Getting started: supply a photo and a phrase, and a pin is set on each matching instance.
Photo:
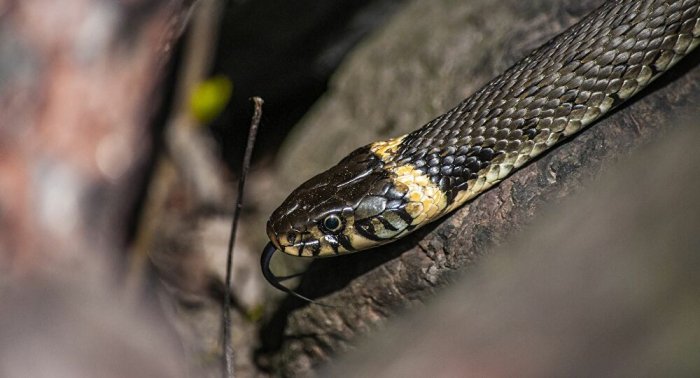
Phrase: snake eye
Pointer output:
(332, 223)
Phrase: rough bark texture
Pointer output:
(605, 285)
(430, 57)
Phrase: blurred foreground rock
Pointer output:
(79, 86)
(63, 331)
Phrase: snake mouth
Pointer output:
(302, 244)
(274, 238)
(302, 248)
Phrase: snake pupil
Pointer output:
(332, 223)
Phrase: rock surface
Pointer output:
(431, 56)
(603, 285)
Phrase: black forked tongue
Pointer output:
(265, 259)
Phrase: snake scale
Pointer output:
(385, 190)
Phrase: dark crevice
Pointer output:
(284, 51)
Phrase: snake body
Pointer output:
(384, 190)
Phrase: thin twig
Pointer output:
(228, 349)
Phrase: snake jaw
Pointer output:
(272, 235)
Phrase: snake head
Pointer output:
(353, 206)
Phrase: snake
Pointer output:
(387, 189)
